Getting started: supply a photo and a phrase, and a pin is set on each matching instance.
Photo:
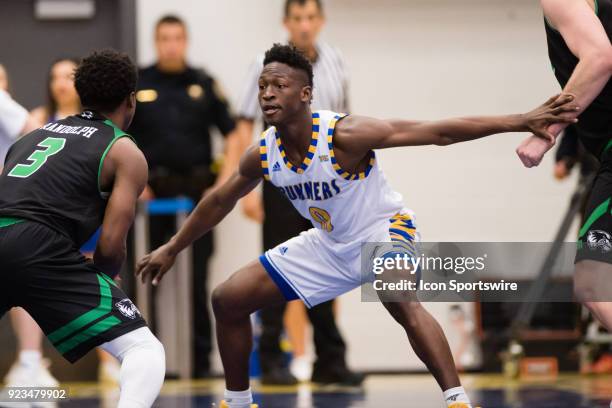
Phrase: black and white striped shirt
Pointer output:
(330, 84)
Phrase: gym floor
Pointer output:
(396, 391)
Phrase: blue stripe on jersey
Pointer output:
(280, 281)
(278, 270)
(404, 234)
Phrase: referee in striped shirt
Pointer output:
(303, 21)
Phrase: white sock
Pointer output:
(456, 394)
(143, 367)
(239, 399)
(30, 358)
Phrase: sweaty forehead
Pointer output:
(278, 70)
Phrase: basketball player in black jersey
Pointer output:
(579, 34)
(59, 184)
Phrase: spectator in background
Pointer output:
(14, 119)
(176, 107)
(62, 98)
(303, 21)
(30, 369)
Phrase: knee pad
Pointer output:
(138, 340)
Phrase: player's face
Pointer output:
(3, 79)
(171, 45)
(283, 92)
(61, 83)
(304, 22)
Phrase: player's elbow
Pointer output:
(600, 60)
(110, 252)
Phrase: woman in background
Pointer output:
(62, 98)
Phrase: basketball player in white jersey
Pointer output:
(325, 164)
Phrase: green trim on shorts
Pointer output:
(8, 221)
(72, 334)
(595, 215)
(109, 280)
(93, 331)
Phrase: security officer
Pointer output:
(177, 105)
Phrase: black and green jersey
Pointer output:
(52, 175)
(595, 124)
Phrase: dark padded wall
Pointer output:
(30, 45)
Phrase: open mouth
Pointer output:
(270, 109)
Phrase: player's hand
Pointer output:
(557, 109)
(156, 264)
(532, 150)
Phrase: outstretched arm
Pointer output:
(360, 134)
(587, 39)
(211, 209)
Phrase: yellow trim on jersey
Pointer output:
(311, 149)
(263, 156)
(402, 228)
(343, 173)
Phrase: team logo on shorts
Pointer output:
(283, 250)
(601, 240)
(127, 308)
(276, 167)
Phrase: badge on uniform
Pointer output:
(146, 95)
(195, 91)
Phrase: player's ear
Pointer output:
(131, 100)
(306, 94)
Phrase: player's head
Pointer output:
(3, 78)
(303, 20)
(171, 43)
(106, 82)
(285, 84)
(60, 85)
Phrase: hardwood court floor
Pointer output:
(398, 391)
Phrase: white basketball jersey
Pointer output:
(345, 207)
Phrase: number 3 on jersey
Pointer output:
(51, 146)
(322, 217)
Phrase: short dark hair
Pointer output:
(170, 19)
(104, 79)
(289, 55)
(288, 4)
